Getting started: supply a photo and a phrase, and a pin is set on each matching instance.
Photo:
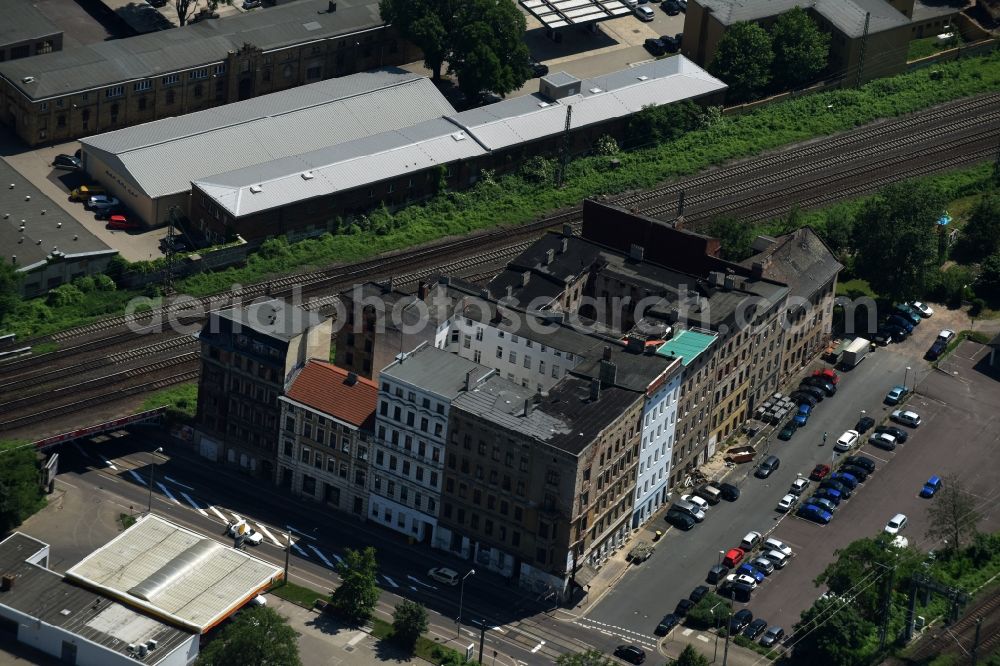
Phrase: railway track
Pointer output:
(809, 175)
(959, 637)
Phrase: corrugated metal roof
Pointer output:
(163, 157)
(199, 44)
(847, 15)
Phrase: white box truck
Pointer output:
(854, 353)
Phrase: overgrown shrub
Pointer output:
(63, 295)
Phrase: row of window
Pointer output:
(389, 487)
(406, 469)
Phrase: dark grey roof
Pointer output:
(436, 370)
(196, 45)
(23, 22)
(546, 279)
(48, 597)
(937, 8)
(566, 418)
(55, 228)
(633, 371)
(848, 16)
(274, 318)
(800, 259)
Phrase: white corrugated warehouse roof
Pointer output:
(175, 574)
(461, 136)
(164, 156)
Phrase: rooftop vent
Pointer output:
(595, 90)
(307, 175)
(65, 612)
(458, 136)
(256, 189)
(7, 582)
(543, 104)
(643, 78)
(28, 79)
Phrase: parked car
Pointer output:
(698, 593)
(822, 384)
(946, 334)
(683, 606)
(681, 521)
(803, 398)
(798, 486)
(747, 569)
(814, 513)
(444, 575)
(895, 524)
(699, 502)
(802, 417)
(106, 213)
(655, 46)
(861, 461)
(847, 479)
(931, 486)
(740, 620)
(668, 622)
(895, 395)
(251, 4)
(101, 201)
(750, 541)
(786, 503)
(767, 467)
(716, 574)
(121, 223)
(829, 374)
(780, 546)
(741, 579)
(538, 69)
(157, 3)
(936, 349)
(858, 473)
(898, 433)
(763, 565)
(633, 654)
(755, 629)
(910, 314)
(844, 491)
(733, 557)
(898, 333)
(772, 636)
(84, 192)
(847, 441)
(671, 7)
(906, 417)
(815, 392)
(819, 472)
(822, 502)
(865, 424)
(730, 493)
(882, 337)
(901, 321)
(709, 493)
(924, 309)
(688, 508)
(644, 13)
(830, 494)
(776, 557)
(67, 162)
(788, 431)
(671, 43)
(736, 592)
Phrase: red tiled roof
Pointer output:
(324, 387)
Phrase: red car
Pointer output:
(122, 223)
(733, 557)
(827, 374)
(819, 472)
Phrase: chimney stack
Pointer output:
(595, 390)
(7, 582)
(529, 404)
(422, 290)
(636, 252)
(563, 245)
(510, 291)
(609, 373)
(525, 278)
(607, 353)
(332, 7)
(468, 380)
(550, 255)
(567, 230)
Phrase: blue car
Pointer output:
(831, 494)
(848, 480)
(802, 417)
(814, 513)
(751, 571)
(931, 487)
(895, 394)
(902, 322)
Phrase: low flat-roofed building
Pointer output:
(76, 624)
(44, 243)
(174, 574)
(150, 166)
(25, 31)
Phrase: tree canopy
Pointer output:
(10, 289)
(952, 513)
(833, 632)
(666, 122)
(20, 492)
(735, 235)
(801, 49)
(588, 658)
(409, 621)
(257, 637)
(895, 238)
(743, 60)
(357, 595)
(691, 657)
(980, 237)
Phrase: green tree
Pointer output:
(488, 49)
(10, 289)
(409, 622)
(20, 492)
(736, 237)
(257, 637)
(710, 611)
(801, 49)
(186, 9)
(859, 561)
(691, 657)
(743, 61)
(833, 632)
(838, 230)
(426, 23)
(588, 658)
(988, 282)
(357, 595)
(659, 124)
(980, 236)
(952, 515)
(895, 240)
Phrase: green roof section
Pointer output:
(687, 345)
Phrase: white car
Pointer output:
(750, 541)
(924, 309)
(242, 529)
(443, 575)
(946, 334)
(786, 503)
(847, 441)
(895, 524)
(644, 13)
(699, 502)
(742, 578)
(906, 417)
(799, 486)
(774, 544)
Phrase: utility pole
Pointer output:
(482, 638)
(564, 152)
(864, 45)
(911, 613)
(975, 641)
(168, 278)
(886, 605)
(729, 627)
(288, 552)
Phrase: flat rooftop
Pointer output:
(687, 345)
(847, 15)
(274, 318)
(435, 370)
(45, 595)
(174, 574)
(30, 24)
(561, 13)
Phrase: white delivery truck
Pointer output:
(854, 353)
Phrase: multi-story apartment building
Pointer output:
(540, 487)
(802, 261)
(411, 430)
(247, 354)
(327, 426)
(108, 85)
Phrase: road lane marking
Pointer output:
(420, 582)
(218, 513)
(390, 581)
(301, 533)
(193, 503)
(236, 517)
(701, 638)
(263, 530)
(166, 491)
(136, 476)
(687, 632)
(339, 559)
(537, 647)
(178, 483)
(299, 550)
(321, 556)
(358, 637)
(108, 463)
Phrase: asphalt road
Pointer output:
(682, 560)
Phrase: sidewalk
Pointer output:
(705, 643)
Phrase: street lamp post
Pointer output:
(152, 474)
(721, 553)
(725, 650)
(715, 655)
(461, 599)
(906, 376)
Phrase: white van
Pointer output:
(777, 558)
(773, 544)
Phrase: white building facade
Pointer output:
(659, 420)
